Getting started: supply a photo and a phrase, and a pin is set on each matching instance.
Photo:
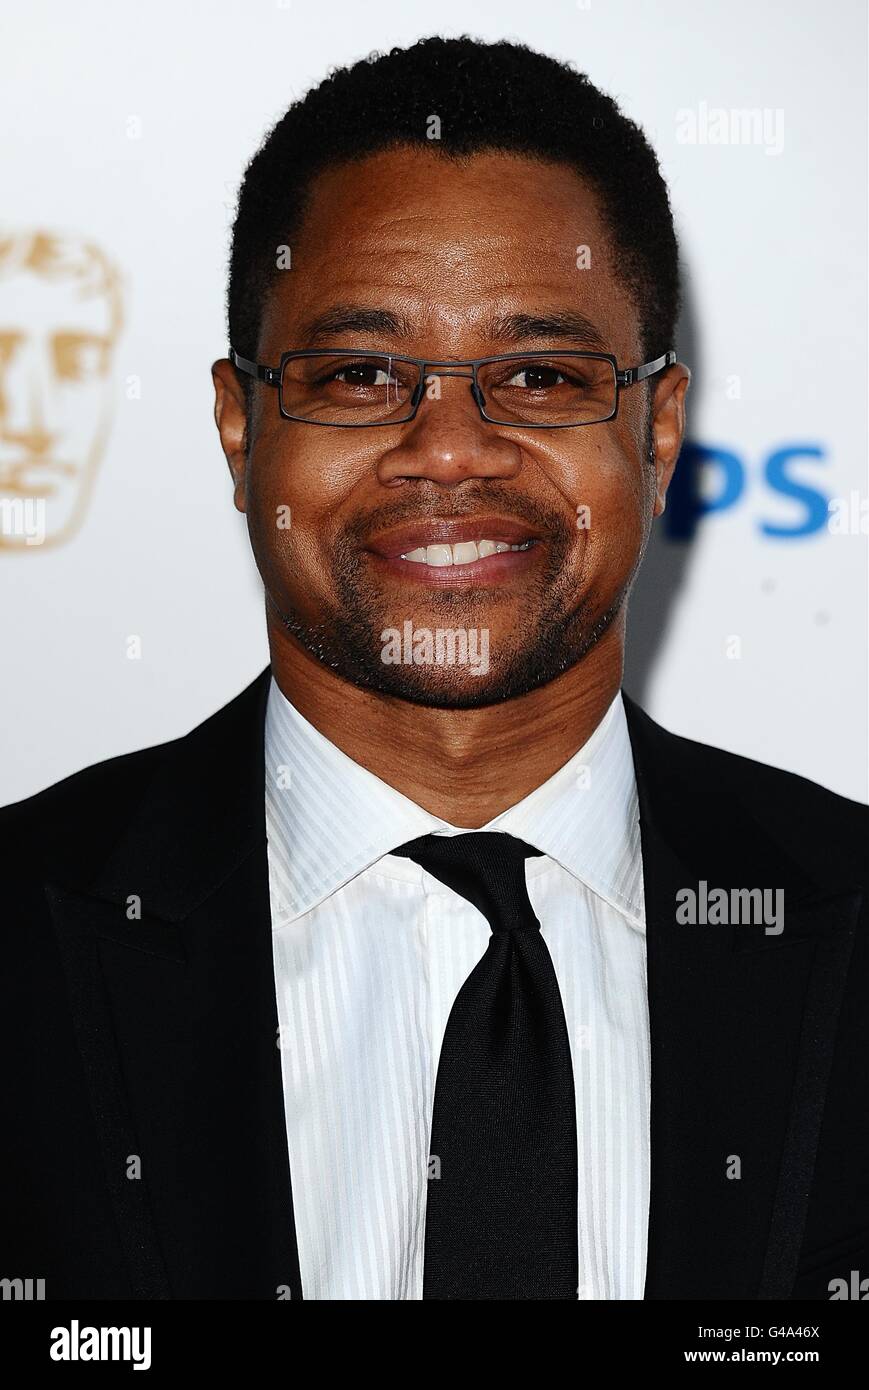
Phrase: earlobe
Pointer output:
(664, 470)
(668, 431)
(239, 492)
(665, 467)
(230, 416)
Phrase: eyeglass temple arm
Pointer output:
(270, 375)
(646, 369)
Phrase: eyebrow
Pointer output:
(564, 325)
(350, 318)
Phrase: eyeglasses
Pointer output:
(348, 389)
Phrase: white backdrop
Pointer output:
(129, 125)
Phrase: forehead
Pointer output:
(452, 245)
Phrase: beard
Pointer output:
(555, 627)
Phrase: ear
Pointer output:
(668, 427)
(230, 416)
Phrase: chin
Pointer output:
(450, 689)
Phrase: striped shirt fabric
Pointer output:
(370, 952)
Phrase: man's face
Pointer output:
(448, 251)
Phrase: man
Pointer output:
(430, 966)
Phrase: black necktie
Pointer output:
(501, 1215)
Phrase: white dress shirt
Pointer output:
(370, 952)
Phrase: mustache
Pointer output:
(437, 502)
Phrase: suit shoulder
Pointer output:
(794, 795)
(815, 823)
(71, 826)
(75, 819)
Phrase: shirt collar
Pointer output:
(328, 818)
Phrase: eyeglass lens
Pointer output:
(340, 389)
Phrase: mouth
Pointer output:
(462, 550)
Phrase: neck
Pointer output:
(466, 765)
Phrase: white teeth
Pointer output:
(439, 555)
(462, 553)
(465, 553)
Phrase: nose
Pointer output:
(448, 441)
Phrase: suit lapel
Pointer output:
(742, 1025)
(177, 1025)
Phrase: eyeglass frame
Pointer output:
(624, 376)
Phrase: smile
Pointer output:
(440, 555)
(450, 552)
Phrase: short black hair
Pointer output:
(489, 96)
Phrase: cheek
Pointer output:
(304, 468)
(613, 509)
(292, 504)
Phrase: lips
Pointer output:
(442, 537)
(458, 552)
(462, 553)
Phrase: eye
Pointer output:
(536, 377)
(366, 375)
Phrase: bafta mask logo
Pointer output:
(60, 316)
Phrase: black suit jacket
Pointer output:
(144, 1151)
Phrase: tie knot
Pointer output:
(486, 867)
